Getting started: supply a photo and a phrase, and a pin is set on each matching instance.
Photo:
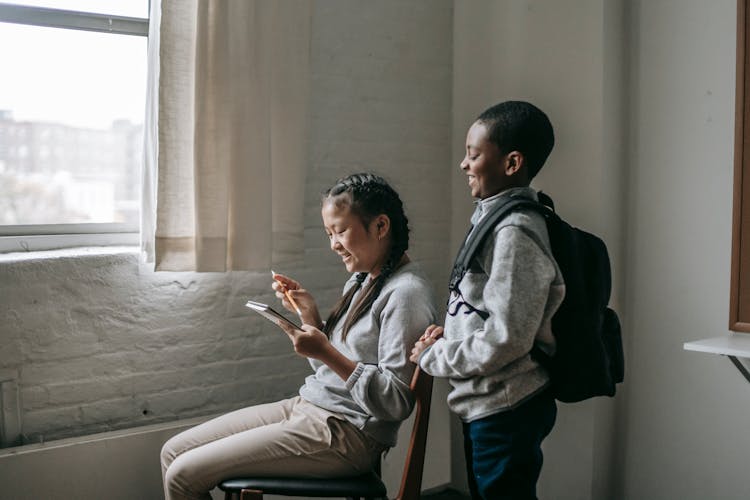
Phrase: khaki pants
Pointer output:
(288, 438)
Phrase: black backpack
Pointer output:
(589, 359)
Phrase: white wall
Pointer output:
(97, 342)
(685, 432)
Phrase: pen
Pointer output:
(287, 294)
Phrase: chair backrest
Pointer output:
(411, 480)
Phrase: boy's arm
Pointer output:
(515, 296)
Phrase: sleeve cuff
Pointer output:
(422, 357)
(352, 380)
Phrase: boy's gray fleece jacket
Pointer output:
(514, 278)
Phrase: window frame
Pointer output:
(739, 314)
(71, 19)
(51, 236)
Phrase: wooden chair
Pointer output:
(367, 486)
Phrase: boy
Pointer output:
(500, 310)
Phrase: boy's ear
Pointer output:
(514, 161)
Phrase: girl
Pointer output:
(349, 410)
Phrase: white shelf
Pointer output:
(734, 344)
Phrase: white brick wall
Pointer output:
(102, 342)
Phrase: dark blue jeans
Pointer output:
(503, 451)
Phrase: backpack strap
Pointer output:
(478, 233)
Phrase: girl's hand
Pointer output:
(308, 342)
(312, 343)
(429, 337)
(303, 299)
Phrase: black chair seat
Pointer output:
(366, 485)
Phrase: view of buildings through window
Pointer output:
(71, 123)
(53, 173)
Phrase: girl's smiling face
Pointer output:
(362, 249)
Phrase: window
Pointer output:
(72, 102)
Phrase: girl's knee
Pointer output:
(175, 446)
(167, 454)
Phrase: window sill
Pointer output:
(82, 251)
(15, 245)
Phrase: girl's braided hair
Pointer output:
(368, 196)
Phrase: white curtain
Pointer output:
(226, 134)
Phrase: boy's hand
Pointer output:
(430, 336)
(433, 332)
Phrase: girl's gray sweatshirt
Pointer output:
(376, 397)
(516, 281)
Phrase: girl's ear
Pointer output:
(514, 161)
(382, 225)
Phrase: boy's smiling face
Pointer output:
(488, 169)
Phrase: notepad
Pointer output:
(271, 314)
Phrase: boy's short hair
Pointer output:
(520, 126)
